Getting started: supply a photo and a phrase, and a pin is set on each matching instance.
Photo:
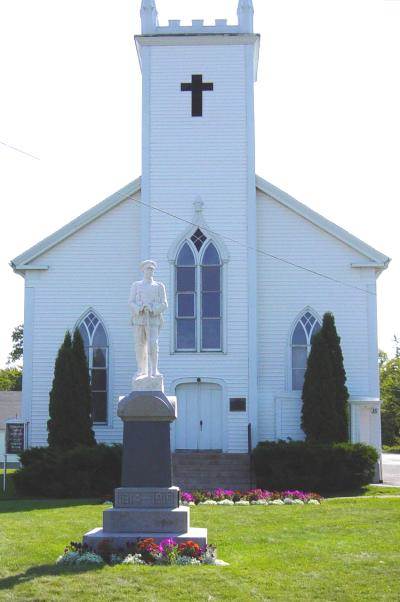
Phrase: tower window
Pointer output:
(198, 313)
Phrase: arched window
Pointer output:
(198, 313)
(96, 349)
(303, 332)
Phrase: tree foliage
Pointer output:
(17, 337)
(69, 408)
(390, 395)
(325, 395)
(84, 434)
(11, 379)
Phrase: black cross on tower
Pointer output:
(197, 87)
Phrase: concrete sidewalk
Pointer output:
(391, 469)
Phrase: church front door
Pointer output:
(199, 423)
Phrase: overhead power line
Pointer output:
(19, 150)
(260, 251)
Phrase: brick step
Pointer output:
(209, 470)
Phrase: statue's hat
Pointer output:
(147, 263)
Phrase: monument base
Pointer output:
(146, 505)
(131, 520)
(119, 540)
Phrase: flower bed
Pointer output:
(260, 497)
(143, 551)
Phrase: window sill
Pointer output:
(198, 352)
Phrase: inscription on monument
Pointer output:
(127, 497)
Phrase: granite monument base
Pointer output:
(146, 505)
(119, 540)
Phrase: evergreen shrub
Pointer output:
(78, 472)
(313, 466)
(325, 396)
(70, 422)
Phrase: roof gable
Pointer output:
(20, 263)
(376, 259)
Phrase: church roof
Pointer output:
(374, 258)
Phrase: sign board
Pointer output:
(15, 437)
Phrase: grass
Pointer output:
(391, 449)
(344, 550)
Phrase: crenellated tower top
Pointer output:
(150, 26)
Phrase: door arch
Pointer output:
(199, 425)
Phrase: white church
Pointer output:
(249, 271)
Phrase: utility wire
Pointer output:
(257, 250)
(19, 150)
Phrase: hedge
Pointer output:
(314, 467)
(77, 472)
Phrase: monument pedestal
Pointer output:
(147, 505)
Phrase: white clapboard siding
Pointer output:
(206, 157)
(93, 268)
(284, 291)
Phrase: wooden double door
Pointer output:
(199, 425)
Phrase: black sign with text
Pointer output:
(15, 437)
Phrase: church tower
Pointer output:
(198, 143)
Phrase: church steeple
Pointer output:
(149, 16)
(245, 14)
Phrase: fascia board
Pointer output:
(83, 220)
(238, 39)
(323, 223)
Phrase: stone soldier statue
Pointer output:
(147, 301)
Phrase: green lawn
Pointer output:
(343, 550)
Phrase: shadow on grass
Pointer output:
(44, 570)
(26, 505)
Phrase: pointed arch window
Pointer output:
(305, 328)
(198, 314)
(96, 348)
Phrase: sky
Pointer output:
(327, 118)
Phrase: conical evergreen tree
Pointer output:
(324, 412)
(341, 393)
(83, 432)
(70, 398)
(61, 407)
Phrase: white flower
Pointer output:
(242, 503)
(209, 503)
(298, 502)
(116, 559)
(186, 560)
(277, 503)
(133, 559)
(288, 500)
(259, 503)
(67, 558)
(314, 502)
(89, 558)
(75, 558)
(225, 503)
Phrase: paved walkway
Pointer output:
(391, 469)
